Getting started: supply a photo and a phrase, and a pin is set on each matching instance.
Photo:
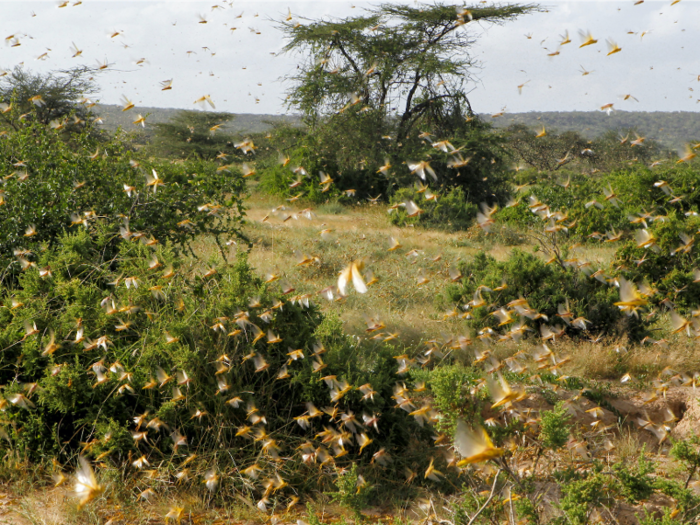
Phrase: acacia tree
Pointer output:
(367, 85)
(61, 94)
(194, 134)
(550, 152)
(410, 64)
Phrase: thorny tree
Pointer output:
(63, 93)
(195, 134)
(409, 65)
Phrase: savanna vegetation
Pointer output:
(672, 129)
(392, 311)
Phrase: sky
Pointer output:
(243, 70)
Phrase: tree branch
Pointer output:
(336, 42)
(486, 503)
(407, 111)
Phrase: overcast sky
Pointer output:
(242, 73)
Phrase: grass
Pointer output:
(361, 232)
(415, 312)
(627, 445)
(54, 506)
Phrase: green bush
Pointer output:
(549, 189)
(325, 150)
(450, 211)
(555, 426)
(450, 388)
(351, 491)
(666, 267)
(354, 157)
(108, 326)
(580, 497)
(687, 452)
(275, 178)
(86, 180)
(668, 273)
(545, 286)
(543, 153)
(633, 185)
(636, 484)
(187, 134)
(651, 518)
(610, 153)
(527, 508)
(687, 502)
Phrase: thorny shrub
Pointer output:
(131, 356)
(449, 211)
(670, 267)
(570, 191)
(555, 427)
(50, 186)
(545, 287)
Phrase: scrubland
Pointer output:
(456, 326)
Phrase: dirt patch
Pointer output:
(688, 410)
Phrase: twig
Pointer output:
(506, 468)
(611, 514)
(512, 512)
(537, 460)
(486, 503)
(221, 249)
(692, 473)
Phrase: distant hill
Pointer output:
(114, 118)
(671, 129)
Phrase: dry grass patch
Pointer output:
(398, 299)
(412, 278)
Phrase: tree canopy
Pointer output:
(407, 63)
(48, 98)
(386, 88)
(194, 134)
